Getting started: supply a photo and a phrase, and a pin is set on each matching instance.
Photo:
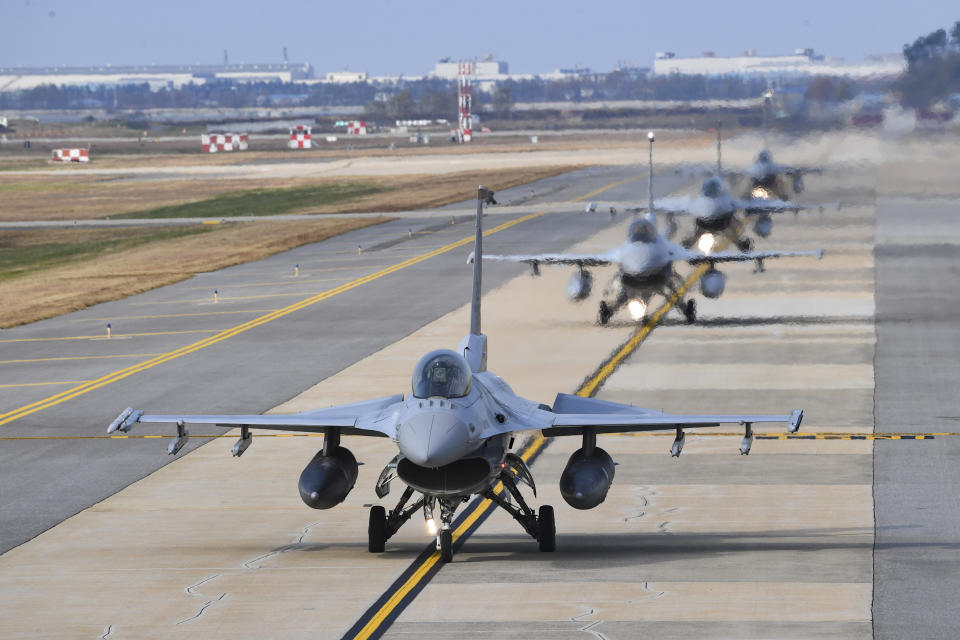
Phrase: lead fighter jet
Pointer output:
(454, 432)
(645, 266)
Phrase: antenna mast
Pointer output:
(719, 163)
(477, 264)
(650, 177)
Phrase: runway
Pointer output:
(779, 543)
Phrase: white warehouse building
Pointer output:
(803, 62)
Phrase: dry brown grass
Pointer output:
(121, 273)
(75, 196)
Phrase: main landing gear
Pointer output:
(540, 525)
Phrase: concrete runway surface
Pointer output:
(103, 538)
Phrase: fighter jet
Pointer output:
(765, 177)
(454, 430)
(646, 264)
(714, 210)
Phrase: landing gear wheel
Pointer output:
(446, 545)
(690, 311)
(377, 531)
(744, 244)
(605, 313)
(547, 529)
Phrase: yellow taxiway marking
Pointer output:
(209, 299)
(176, 315)
(211, 222)
(115, 376)
(123, 355)
(271, 283)
(40, 384)
(606, 188)
(100, 336)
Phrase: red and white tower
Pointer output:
(465, 102)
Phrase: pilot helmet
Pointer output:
(442, 373)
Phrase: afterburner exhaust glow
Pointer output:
(706, 242)
(637, 309)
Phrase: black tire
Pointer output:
(446, 545)
(690, 311)
(605, 313)
(547, 529)
(745, 244)
(377, 531)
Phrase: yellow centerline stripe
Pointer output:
(116, 335)
(39, 384)
(115, 376)
(125, 355)
(177, 315)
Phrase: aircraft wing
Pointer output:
(678, 205)
(573, 424)
(696, 257)
(371, 418)
(579, 259)
(772, 206)
(610, 417)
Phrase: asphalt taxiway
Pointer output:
(779, 543)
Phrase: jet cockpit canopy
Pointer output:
(642, 230)
(712, 187)
(442, 373)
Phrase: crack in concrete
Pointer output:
(203, 608)
(662, 527)
(651, 595)
(107, 630)
(588, 628)
(246, 566)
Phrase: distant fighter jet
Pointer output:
(646, 260)
(714, 210)
(455, 430)
(765, 177)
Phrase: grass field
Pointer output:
(51, 272)
(263, 202)
(73, 195)
(23, 252)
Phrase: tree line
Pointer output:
(933, 68)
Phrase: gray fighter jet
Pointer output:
(645, 261)
(454, 430)
(714, 209)
(765, 177)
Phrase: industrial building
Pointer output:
(802, 62)
(157, 76)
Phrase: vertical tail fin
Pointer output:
(651, 213)
(474, 346)
(482, 195)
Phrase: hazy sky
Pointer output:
(384, 37)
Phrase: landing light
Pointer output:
(759, 193)
(637, 309)
(706, 242)
(431, 526)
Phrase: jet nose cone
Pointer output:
(433, 439)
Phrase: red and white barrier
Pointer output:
(299, 137)
(214, 142)
(357, 128)
(71, 155)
